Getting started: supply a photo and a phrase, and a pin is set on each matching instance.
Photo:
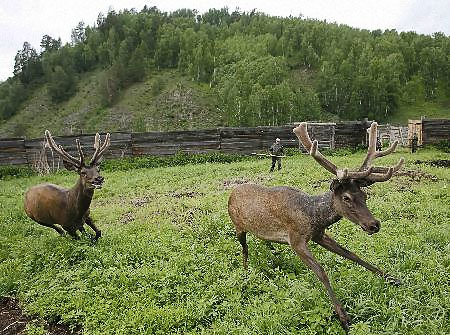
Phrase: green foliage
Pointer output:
(158, 85)
(49, 44)
(443, 146)
(27, 65)
(179, 159)
(246, 58)
(255, 92)
(61, 84)
(109, 85)
(169, 263)
(12, 94)
(35, 329)
(7, 172)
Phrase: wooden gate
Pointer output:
(415, 127)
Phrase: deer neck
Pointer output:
(322, 211)
(80, 197)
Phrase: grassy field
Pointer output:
(168, 261)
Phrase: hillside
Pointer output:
(162, 101)
(152, 70)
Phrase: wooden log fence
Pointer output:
(20, 151)
(435, 130)
(12, 151)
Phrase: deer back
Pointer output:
(272, 213)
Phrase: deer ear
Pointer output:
(364, 182)
(335, 184)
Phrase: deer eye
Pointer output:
(346, 198)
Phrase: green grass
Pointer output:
(168, 261)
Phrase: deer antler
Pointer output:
(80, 152)
(379, 173)
(366, 171)
(302, 133)
(65, 156)
(100, 148)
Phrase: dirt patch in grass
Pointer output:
(412, 177)
(140, 202)
(126, 218)
(232, 183)
(184, 218)
(14, 322)
(235, 182)
(437, 162)
(189, 194)
(416, 175)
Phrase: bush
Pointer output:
(9, 171)
(181, 158)
(443, 145)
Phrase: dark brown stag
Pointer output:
(287, 215)
(53, 206)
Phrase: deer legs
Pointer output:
(55, 227)
(331, 245)
(91, 224)
(303, 252)
(242, 237)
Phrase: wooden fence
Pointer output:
(429, 131)
(435, 130)
(19, 151)
(390, 133)
(12, 151)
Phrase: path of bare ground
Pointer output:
(14, 322)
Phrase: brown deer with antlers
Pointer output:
(290, 216)
(53, 206)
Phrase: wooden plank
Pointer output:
(8, 143)
(119, 147)
(208, 134)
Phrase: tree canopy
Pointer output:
(264, 70)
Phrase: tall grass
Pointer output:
(168, 261)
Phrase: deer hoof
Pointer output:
(346, 326)
(345, 323)
(97, 235)
(344, 318)
(392, 280)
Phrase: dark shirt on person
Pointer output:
(276, 149)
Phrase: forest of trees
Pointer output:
(263, 70)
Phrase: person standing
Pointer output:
(276, 150)
(379, 146)
(414, 142)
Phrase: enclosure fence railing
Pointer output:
(241, 140)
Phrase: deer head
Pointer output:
(349, 200)
(89, 174)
